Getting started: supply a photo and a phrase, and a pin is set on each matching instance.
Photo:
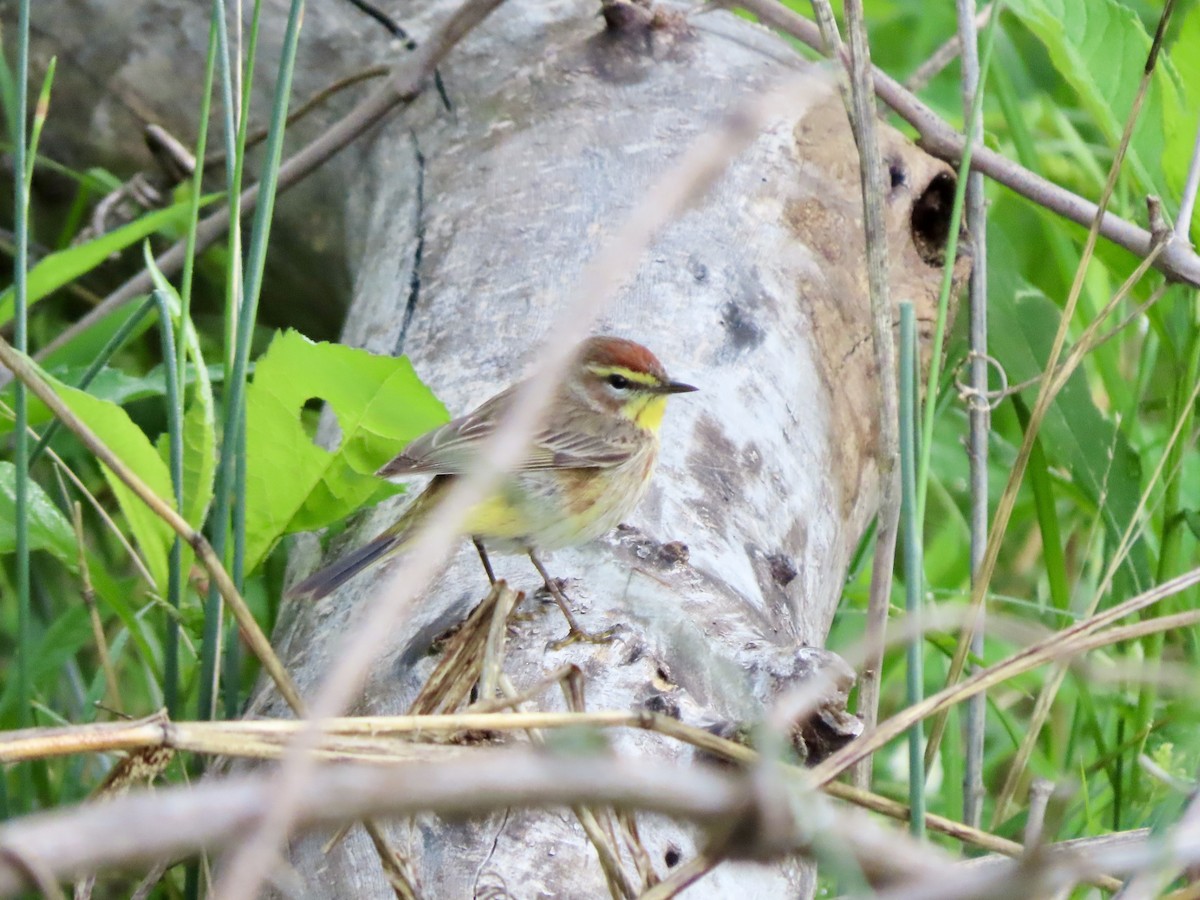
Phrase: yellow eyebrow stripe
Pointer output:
(638, 377)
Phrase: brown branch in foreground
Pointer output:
(375, 738)
(1178, 262)
(142, 828)
(746, 816)
(944, 55)
(28, 374)
(175, 822)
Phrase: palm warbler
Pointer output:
(586, 469)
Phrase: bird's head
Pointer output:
(622, 378)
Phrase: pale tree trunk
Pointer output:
(464, 230)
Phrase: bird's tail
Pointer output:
(333, 576)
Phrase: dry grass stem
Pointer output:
(1061, 645)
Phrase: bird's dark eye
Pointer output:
(620, 382)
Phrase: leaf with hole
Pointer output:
(294, 485)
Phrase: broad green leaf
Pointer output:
(112, 385)
(48, 527)
(294, 485)
(199, 460)
(1075, 435)
(112, 425)
(1100, 48)
(63, 267)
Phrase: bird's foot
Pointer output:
(578, 635)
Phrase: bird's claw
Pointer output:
(578, 635)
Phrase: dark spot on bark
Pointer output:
(672, 856)
(714, 460)
(636, 651)
(897, 174)
(658, 702)
(673, 553)
(773, 571)
(783, 569)
(637, 34)
(730, 731)
(663, 674)
(641, 17)
(743, 332)
(698, 269)
(931, 219)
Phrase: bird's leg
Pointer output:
(483, 558)
(576, 633)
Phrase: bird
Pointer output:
(586, 468)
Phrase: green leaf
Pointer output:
(1100, 47)
(112, 385)
(48, 527)
(65, 266)
(112, 425)
(1075, 435)
(199, 460)
(294, 485)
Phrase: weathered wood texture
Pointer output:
(464, 229)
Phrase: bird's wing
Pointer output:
(451, 448)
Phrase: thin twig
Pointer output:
(945, 54)
(978, 411)
(1187, 201)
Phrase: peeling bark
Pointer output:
(464, 229)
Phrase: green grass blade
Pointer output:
(24, 640)
(914, 580)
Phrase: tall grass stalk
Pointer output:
(24, 640)
(956, 215)
(174, 401)
(914, 579)
(232, 646)
(171, 646)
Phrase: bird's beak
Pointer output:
(677, 387)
